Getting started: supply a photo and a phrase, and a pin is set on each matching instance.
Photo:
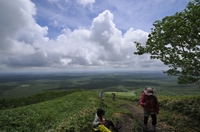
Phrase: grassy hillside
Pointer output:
(49, 114)
(73, 111)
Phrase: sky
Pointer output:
(79, 35)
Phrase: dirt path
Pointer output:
(128, 121)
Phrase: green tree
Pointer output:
(175, 40)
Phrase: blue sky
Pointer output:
(66, 35)
(59, 14)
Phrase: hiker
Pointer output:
(101, 95)
(113, 96)
(150, 105)
(98, 120)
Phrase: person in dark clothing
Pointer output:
(150, 105)
(113, 96)
(101, 95)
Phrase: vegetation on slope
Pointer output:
(49, 114)
(75, 112)
(33, 99)
(186, 111)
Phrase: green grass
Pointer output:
(46, 115)
(36, 98)
(74, 111)
(129, 93)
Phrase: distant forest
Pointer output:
(17, 85)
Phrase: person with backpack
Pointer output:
(99, 120)
(101, 95)
(113, 96)
(150, 105)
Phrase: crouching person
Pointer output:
(103, 124)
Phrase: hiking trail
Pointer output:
(127, 121)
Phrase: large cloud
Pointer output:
(24, 44)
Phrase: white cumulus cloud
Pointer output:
(24, 42)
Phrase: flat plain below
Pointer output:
(23, 85)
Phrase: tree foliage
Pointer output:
(175, 40)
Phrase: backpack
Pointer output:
(102, 128)
(150, 101)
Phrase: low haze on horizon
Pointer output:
(70, 35)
